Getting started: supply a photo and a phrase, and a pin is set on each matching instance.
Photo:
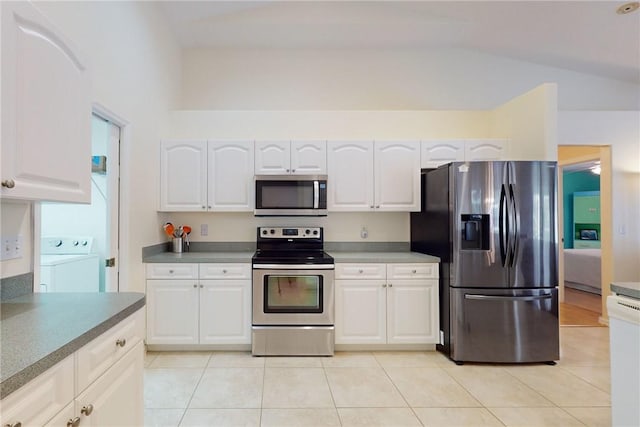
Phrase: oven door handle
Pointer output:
(294, 266)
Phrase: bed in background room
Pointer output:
(582, 270)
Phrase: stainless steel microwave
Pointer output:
(291, 195)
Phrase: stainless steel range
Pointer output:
(293, 293)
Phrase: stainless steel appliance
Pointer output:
(291, 195)
(494, 227)
(293, 293)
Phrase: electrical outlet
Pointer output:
(364, 233)
(11, 247)
(18, 247)
(204, 229)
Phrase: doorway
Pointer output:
(80, 242)
(584, 209)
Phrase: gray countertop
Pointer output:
(382, 257)
(39, 330)
(200, 257)
(628, 289)
(339, 256)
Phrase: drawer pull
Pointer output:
(121, 343)
(414, 271)
(87, 410)
(17, 424)
(390, 285)
(224, 271)
(195, 285)
(170, 271)
(73, 422)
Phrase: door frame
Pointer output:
(572, 154)
(124, 193)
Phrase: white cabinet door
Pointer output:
(63, 418)
(41, 399)
(412, 311)
(486, 149)
(309, 157)
(46, 110)
(350, 170)
(397, 175)
(273, 157)
(116, 398)
(225, 312)
(183, 175)
(230, 176)
(436, 153)
(172, 311)
(361, 312)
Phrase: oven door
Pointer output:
(293, 295)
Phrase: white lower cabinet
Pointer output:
(386, 303)
(106, 374)
(111, 399)
(212, 307)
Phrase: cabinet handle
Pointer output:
(360, 271)
(73, 422)
(371, 206)
(202, 286)
(170, 271)
(87, 410)
(224, 271)
(287, 170)
(18, 423)
(121, 342)
(414, 271)
(390, 285)
(293, 170)
(209, 207)
(195, 285)
(204, 207)
(384, 285)
(378, 207)
(8, 183)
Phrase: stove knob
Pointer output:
(85, 243)
(307, 231)
(272, 231)
(315, 232)
(76, 243)
(57, 243)
(264, 231)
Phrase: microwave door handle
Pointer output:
(316, 194)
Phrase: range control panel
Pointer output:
(66, 245)
(290, 232)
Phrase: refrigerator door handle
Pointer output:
(507, 298)
(513, 221)
(502, 225)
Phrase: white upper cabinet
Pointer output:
(486, 149)
(439, 152)
(350, 177)
(46, 110)
(367, 176)
(183, 176)
(230, 174)
(436, 153)
(206, 175)
(291, 157)
(397, 175)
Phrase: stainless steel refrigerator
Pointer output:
(494, 227)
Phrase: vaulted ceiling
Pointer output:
(584, 36)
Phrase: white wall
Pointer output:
(135, 68)
(418, 79)
(620, 130)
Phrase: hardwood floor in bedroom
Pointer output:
(580, 308)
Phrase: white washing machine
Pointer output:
(67, 265)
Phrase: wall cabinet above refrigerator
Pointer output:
(439, 152)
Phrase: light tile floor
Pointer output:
(380, 389)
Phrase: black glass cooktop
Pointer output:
(292, 257)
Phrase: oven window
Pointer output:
(292, 294)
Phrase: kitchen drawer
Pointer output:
(97, 356)
(38, 401)
(361, 271)
(412, 271)
(225, 271)
(172, 271)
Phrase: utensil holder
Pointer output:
(176, 245)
